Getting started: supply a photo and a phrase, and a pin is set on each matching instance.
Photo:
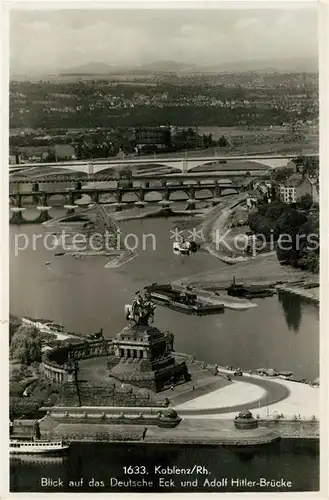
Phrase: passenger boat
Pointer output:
(37, 446)
(166, 296)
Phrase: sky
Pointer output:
(48, 41)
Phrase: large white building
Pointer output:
(291, 190)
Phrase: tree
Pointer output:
(19, 407)
(282, 173)
(14, 324)
(290, 221)
(274, 210)
(310, 261)
(26, 345)
(264, 227)
(222, 142)
(306, 201)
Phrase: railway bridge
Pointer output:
(116, 196)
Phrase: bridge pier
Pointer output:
(141, 197)
(118, 204)
(44, 214)
(218, 190)
(165, 202)
(95, 197)
(191, 202)
(217, 193)
(35, 189)
(17, 217)
(71, 206)
(70, 209)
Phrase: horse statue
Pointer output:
(141, 311)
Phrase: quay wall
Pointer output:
(309, 429)
(109, 417)
(147, 429)
(133, 431)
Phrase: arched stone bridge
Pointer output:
(41, 199)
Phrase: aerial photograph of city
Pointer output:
(164, 249)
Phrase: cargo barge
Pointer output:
(185, 302)
(249, 291)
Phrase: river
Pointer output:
(96, 463)
(282, 332)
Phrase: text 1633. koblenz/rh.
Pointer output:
(159, 469)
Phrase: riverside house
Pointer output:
(292, 189)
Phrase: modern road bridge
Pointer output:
(183, 164)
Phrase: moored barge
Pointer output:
(249, 291)
(184, 302)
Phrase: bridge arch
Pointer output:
(229, 190)
(85, 199)
(153, 196)
(178, 194)
(129, 197)
(204, 193)
(107, 198)
(195, 165)
(57, 200)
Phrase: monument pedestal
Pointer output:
(143, 357)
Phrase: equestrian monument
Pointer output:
(143, 354)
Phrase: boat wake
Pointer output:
(120, 260)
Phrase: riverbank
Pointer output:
(131, 425)
(264, 269)
(140, 213)
(200, 432)
(312, 294)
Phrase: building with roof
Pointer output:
(292, 189)
(153, 137)
(64, 152)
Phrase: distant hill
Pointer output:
(107, 69)
(168, 66)
(289, 65)
(92, 68)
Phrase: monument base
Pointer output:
(143, 357)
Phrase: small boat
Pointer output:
(166, 296)
(185, 247)
(37, 446)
